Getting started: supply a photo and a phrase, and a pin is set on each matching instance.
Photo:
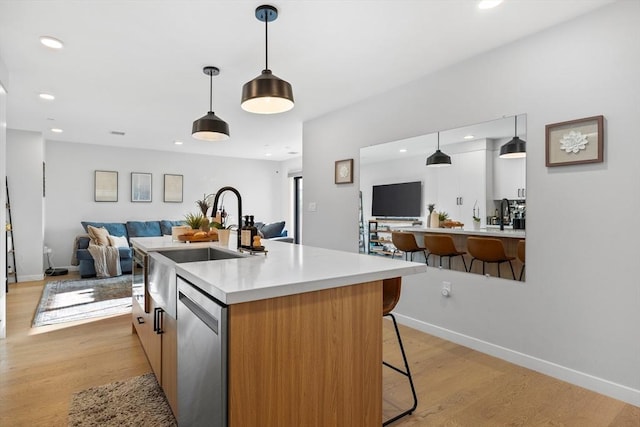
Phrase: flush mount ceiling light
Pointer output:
(267, 94)
(210, 127)
(56, 130)
(438, 159)
(488, 4)
(47, 96)
(514, 149)
(51, 42)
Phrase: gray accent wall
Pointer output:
(577, 317)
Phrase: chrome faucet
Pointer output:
(502, 203)
(215, 206)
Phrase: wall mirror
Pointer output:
(471, 196)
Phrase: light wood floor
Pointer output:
(41, 368)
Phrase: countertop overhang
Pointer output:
(286, 269)
(486, 232)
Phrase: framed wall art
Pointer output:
(575, 142)
(344, 171)
(105, 186)
(173, 188)
(140, 187)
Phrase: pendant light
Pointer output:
(210, 127)
(267, 94)
(514, 149)
(438, 159)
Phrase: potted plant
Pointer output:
(194, 220)
(476, 218)
(442, 217)
(431, 207)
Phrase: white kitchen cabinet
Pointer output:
(509, 178)
(461, 185)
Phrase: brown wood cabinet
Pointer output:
(158, 335)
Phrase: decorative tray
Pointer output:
(187, 238)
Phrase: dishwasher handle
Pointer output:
(208, 319)
(158, 320)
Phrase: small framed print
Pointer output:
(105, 188)
(344, 171)
(172, 188)
(575, 142)
(140, 187)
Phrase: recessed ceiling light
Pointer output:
(403, 150)
(178, 142)
(47, 96)
(267, 154)
(56, 130)
(51, 42)
(469, 137)
(488, 4)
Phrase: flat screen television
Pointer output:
(397, 200)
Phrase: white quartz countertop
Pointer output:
(286, 269)
(487, 232)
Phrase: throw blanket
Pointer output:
(106, 260)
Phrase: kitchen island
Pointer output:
(303, 332)
(509, 238)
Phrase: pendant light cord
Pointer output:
(438, 140)
(266, 40)
(516, 126)
(211, 91)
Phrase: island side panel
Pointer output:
(312, 359)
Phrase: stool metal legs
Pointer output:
(406, 373)
(497, 262)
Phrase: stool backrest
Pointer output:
(440, 244)
(405, 242)
(486, 249)
(520, 250)
(390, 294)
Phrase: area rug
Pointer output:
(72, 300)
(138, 401)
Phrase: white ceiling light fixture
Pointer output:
(267, 94)
(47, 96)
(177, 142)
(469, 137)
(210, 127)
(56, 130)
(51, 42)
(488, 4)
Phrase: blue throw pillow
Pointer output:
(165, 226)
(269, 231)
(113, 228)
(143, 228)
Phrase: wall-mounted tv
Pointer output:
(397, 200)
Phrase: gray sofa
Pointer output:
(127, 229)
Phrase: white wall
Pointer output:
(577, 316)
(4, 82)
(25, 192)
(70, 192)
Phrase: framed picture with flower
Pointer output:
(575, 142)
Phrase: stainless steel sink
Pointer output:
(162, 272)
(200, 254)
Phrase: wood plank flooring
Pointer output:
(41, 368)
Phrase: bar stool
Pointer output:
(442, 245)
(406, 242)
(520, 254)
(488, 250)
(390, 297)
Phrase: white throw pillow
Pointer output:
(118, 242)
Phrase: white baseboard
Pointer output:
(30, 277)
(599, 385)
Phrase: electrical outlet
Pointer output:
(446, 289)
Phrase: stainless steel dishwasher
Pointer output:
(202, 358)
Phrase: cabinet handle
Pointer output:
(524, 192)
(460, 200)
(140, 320)
(157, 320)
(518, 192)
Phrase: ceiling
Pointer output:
(136, 66)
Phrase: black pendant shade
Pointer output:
(267, 94)
(210, 127)
(514, 149)
(438, 159)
